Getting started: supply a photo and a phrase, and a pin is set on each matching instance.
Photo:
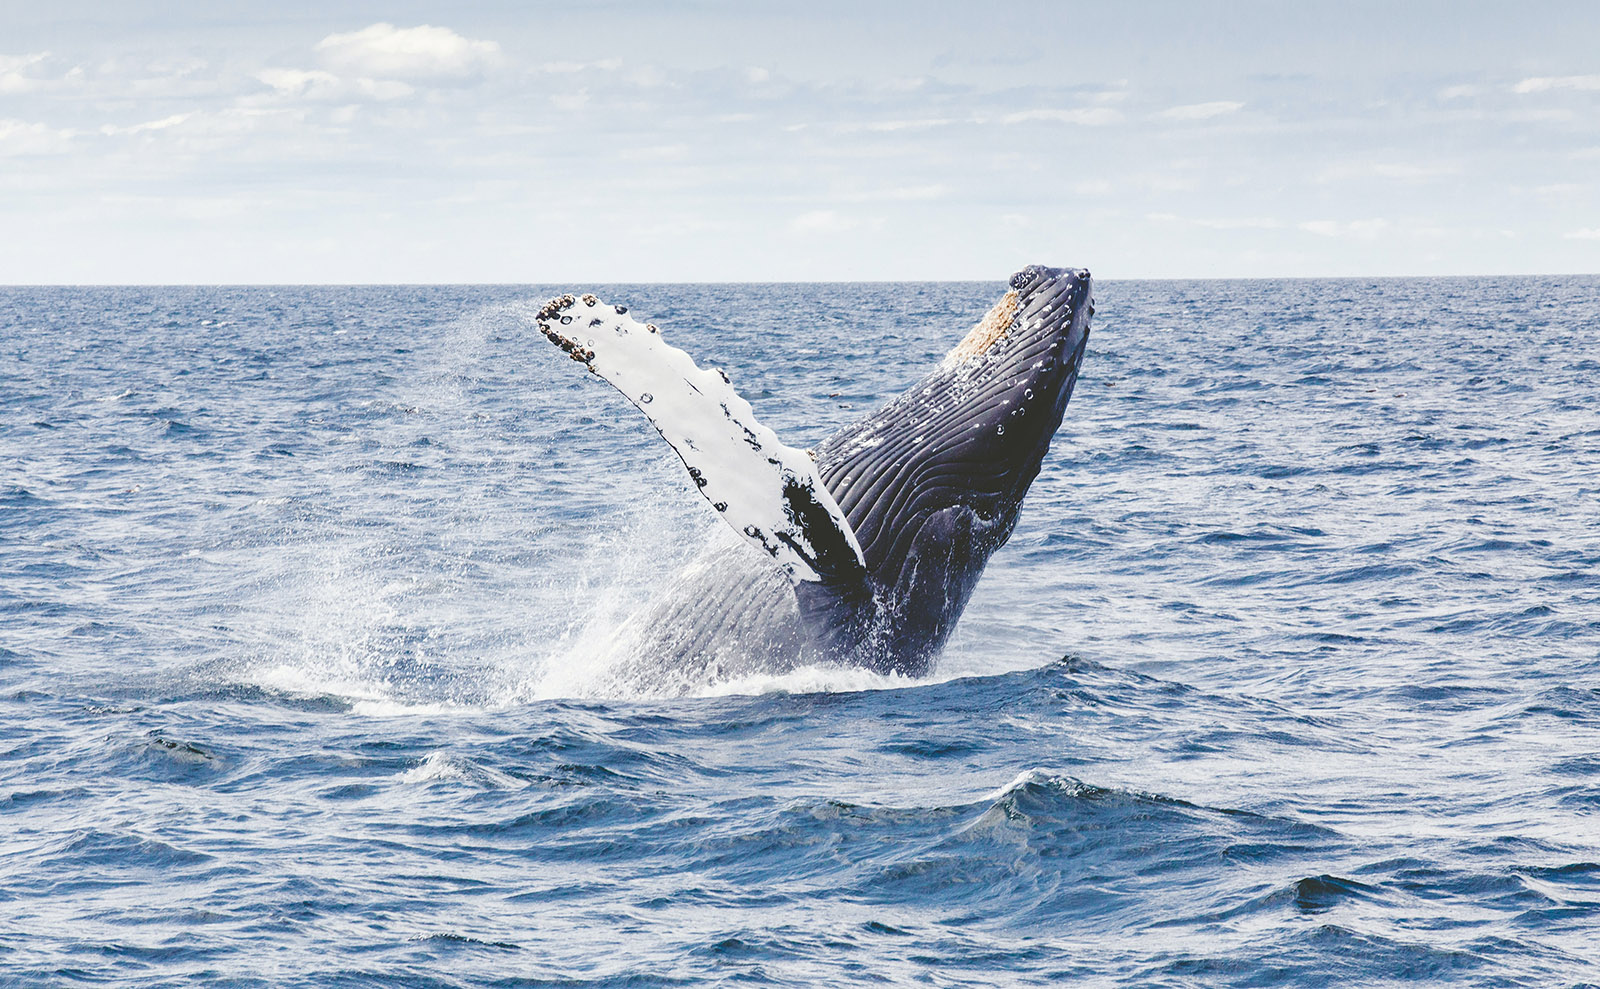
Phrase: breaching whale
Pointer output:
(866, 550)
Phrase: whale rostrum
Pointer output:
(867, 551)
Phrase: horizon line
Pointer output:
(789, 281)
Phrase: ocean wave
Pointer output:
(1284, 676)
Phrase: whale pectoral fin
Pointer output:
(770, 493)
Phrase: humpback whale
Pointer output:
(866, 550)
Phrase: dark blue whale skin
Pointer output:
(931, 484)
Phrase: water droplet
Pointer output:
(647, 398)
(1000, 428)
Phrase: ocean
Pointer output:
(1289, 675)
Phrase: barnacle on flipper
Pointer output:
(551, 315)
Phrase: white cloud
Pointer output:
(823, 221)
(1411, 170)
(207, 208)
(1544, 115)
(1541, 84)
(384, 89)
(1560, 190)
(889, 126)
(655, 152)
(1089, 117)
(315, 84)
(918, 192)
(646, 77)
(1219, 223)
(568, 68)
(303, 83)
(1353, 229)
(151, 125)
(1166, 182)
(1587, 233)
(14, 77)
(19, 137)
(1458, 92)
(1203, 111)
(1111, 95)
(1401, 171)
(570, 101)
(383, 51)
(904, 193)
(904, 84)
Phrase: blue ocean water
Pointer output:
(1290, 674)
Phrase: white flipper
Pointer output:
(770, 493)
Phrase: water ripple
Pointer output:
(1288, 675)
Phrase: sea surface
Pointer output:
(1290, 675)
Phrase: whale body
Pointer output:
(866, 551)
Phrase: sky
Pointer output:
(291, 142)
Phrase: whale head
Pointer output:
(1002, 391)
(932, 482)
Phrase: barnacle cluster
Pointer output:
(553, 314)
